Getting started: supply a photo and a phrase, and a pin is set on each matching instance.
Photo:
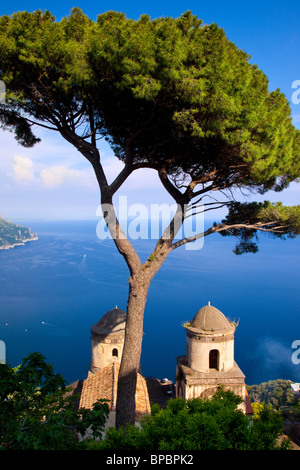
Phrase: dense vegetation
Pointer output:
(36, 413)
(196, 424)
(277, 393)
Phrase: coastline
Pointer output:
(20, 243)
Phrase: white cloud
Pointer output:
(26, 170)
(56, 175)
(23, 169)
(275, 357)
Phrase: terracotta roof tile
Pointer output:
(103, 384)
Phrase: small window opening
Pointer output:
(214, 359)
(115, 352)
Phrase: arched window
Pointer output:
(214, 359)
(115, 352)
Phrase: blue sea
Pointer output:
(52, 290)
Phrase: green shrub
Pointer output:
(196, 424)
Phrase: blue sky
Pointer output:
(52, 181)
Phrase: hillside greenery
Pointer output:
(277, 393)
(13, 234)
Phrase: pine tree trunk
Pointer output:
(139, 281)
(130, 363)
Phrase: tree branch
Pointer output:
(40, 124)
(171, 189)
(129, 166)
(261, 226)
(164, 245)
(218, 206)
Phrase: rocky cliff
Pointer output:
(12, 234)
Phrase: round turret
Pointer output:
(209, 319)
(210, 341)
(111, 325)
(107, 336)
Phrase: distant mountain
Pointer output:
(12, 234)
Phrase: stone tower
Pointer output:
(209, 360)
(107, 337)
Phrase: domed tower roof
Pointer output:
(210, 319)
(112, 324)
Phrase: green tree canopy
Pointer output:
(37, 414)
(187, 99)
(200, 424)
(277, 393)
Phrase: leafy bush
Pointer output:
(196, 424)
(35, 412)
